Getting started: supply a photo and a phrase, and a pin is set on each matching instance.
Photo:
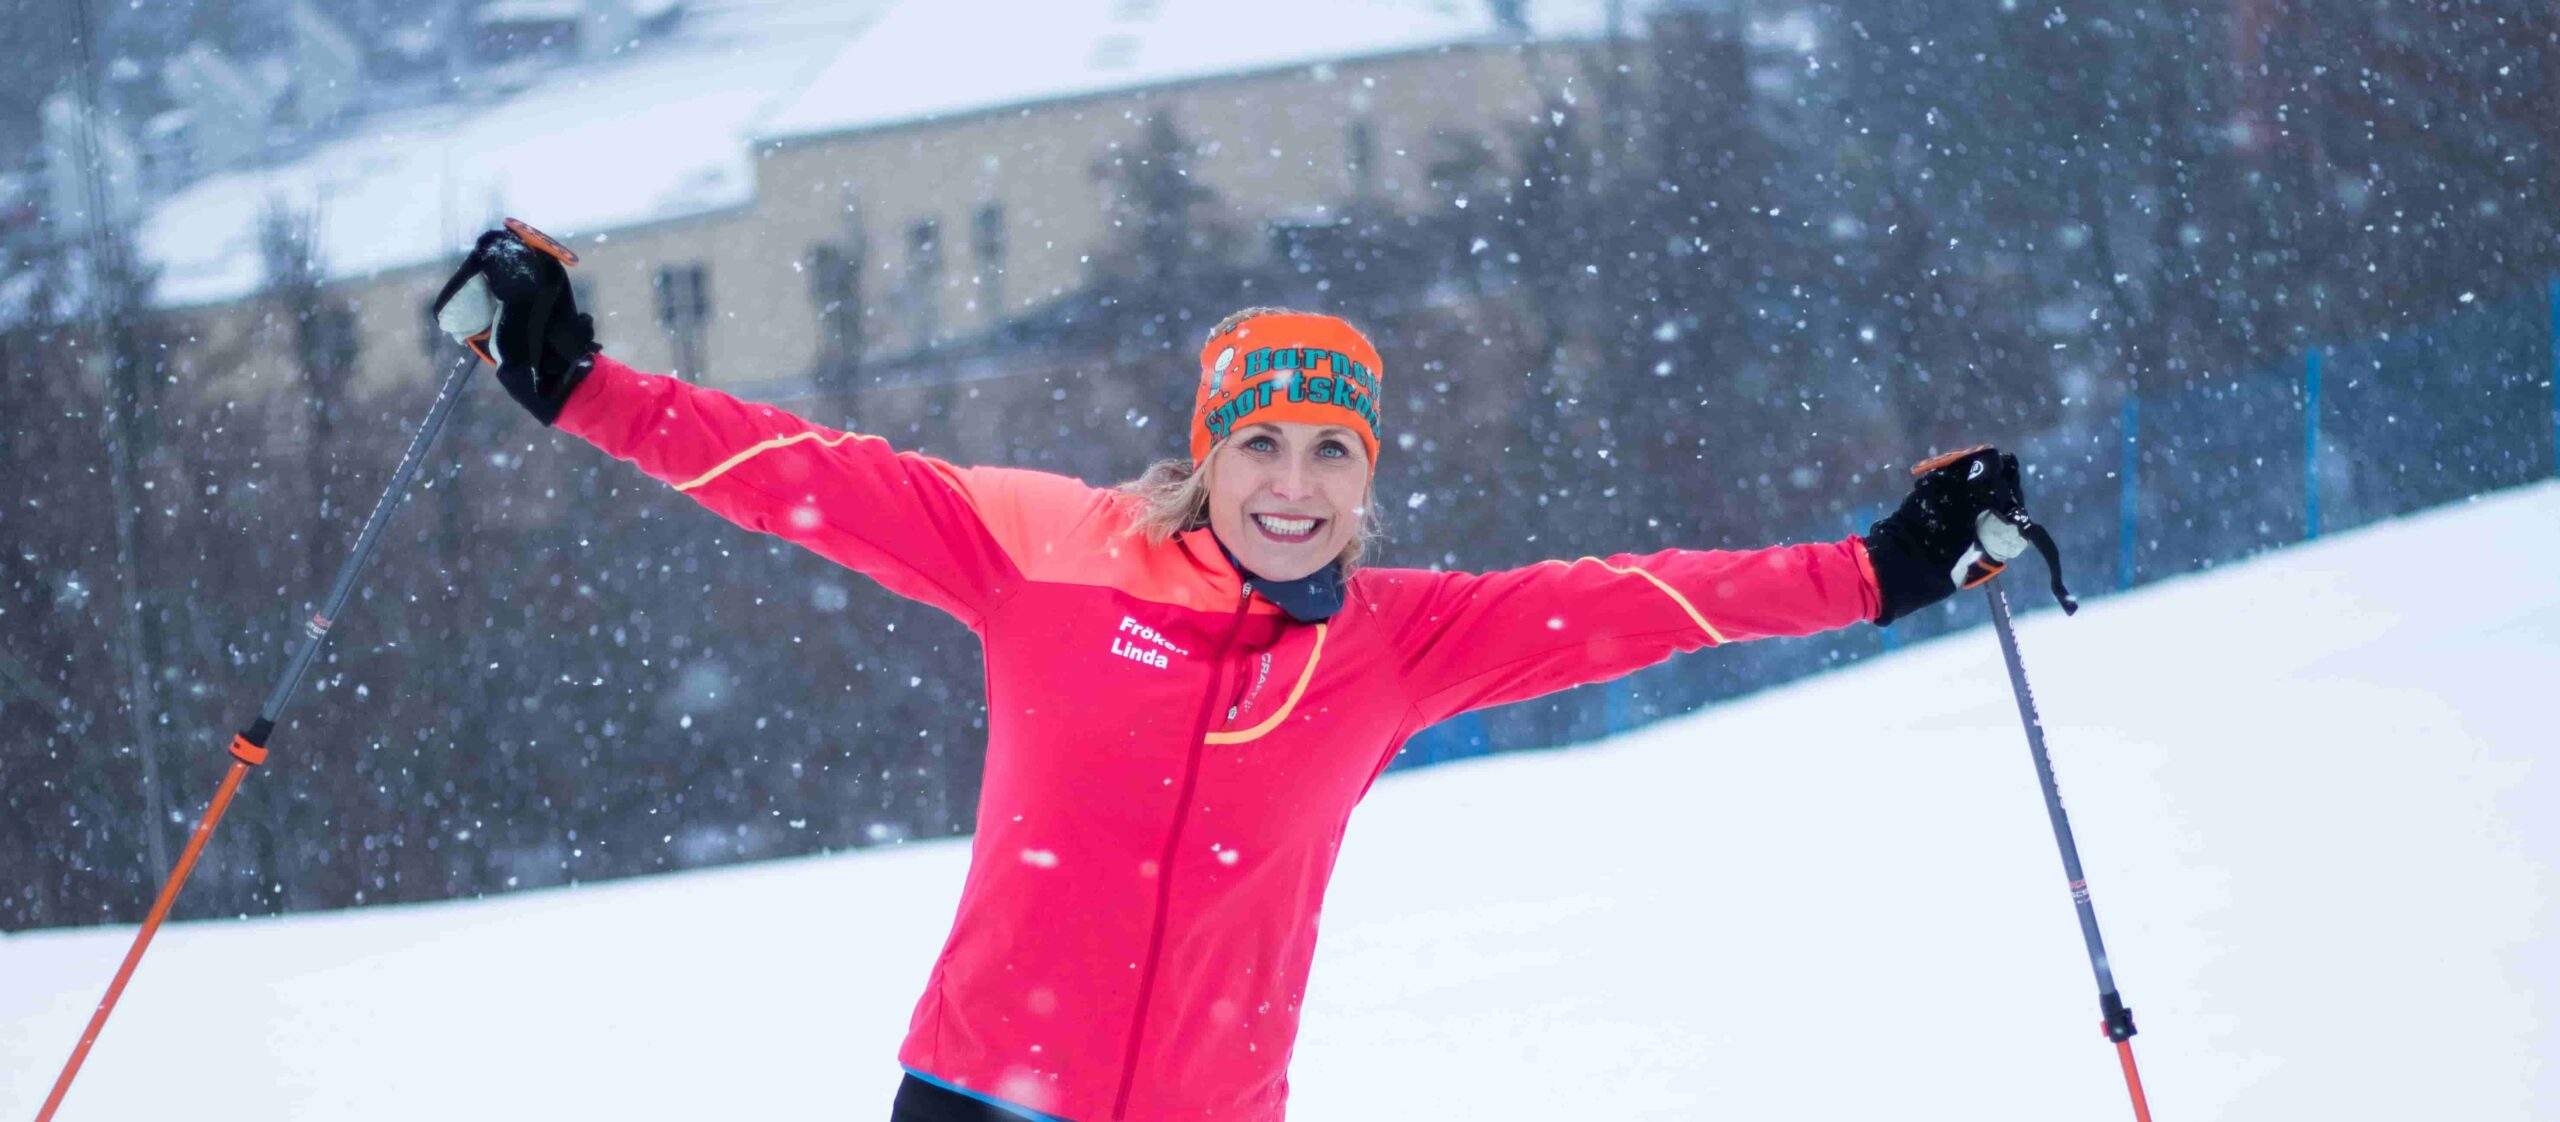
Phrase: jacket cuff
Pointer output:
(589, 400)
(1905, 581)
(1867, 573)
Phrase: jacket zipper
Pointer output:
(1243, 691)
(1172, 842)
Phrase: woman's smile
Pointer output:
(1284, 528)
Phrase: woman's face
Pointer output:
(1287, 497)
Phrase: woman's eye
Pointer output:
(1333, 449)
(1259, 444)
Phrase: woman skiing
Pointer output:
(1190, 679)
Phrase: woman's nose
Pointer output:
(1290, 480)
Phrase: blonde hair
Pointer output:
(1242, 314)
(1173, 497)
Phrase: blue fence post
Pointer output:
(2130, 509)
(2311, 446)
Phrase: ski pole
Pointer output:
(249, 747)
(2118, 1020)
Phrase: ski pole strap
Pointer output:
(2043, 542)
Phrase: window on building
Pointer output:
(986, 247)
(1360, 153)
(684, 310)
(329, 343)
(923, 297)
(835, 291)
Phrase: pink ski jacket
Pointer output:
(1171, 760)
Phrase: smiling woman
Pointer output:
(1190, 679)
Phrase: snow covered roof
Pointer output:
(662, 132)
(933, 58)
(667, 131)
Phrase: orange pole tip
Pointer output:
(150, 926)
(2133, 1082)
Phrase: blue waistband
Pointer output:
(1009, 1108)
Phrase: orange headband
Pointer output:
(1311, 369)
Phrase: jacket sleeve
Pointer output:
(910, 522)
(1472, 640)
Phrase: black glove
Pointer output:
(1963, 521)
(511, 303)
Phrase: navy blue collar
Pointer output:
(1313, 598)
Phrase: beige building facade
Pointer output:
(955, 224)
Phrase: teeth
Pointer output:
(1287, 527)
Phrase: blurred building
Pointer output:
(944, 174)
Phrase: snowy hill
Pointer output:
(2318, 796)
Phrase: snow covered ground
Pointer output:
(2318, 796)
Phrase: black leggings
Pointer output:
(919, 1101)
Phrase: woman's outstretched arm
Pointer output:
(909, 521)
(922, 528)
(1472, 640)
(1469, 640)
